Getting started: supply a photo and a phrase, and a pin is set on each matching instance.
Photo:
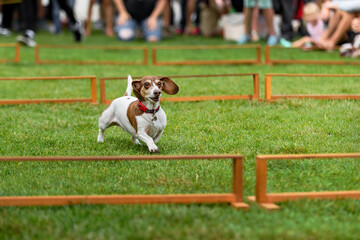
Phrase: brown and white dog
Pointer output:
(141, 116)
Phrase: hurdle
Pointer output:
(270, 97)
(83, 62)
(92, 99)
(235, 198)
(270, 61)
(254, 96)
(16, 58)
(268, 200)
(156, 62)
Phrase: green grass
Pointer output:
(212, 127)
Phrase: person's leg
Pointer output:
(190, 7)
(76, 27)
(254, 24)
(109, 16)
(333, 22)
(8, 10)
(152, 35)
(287, 15)
(246, 37)
(126, 31)
(68, 10)
(88, 19)
(28, 12)
(339, 32)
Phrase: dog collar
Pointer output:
(143, 108)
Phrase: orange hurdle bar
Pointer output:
(270, 97)
(235, 198)
(255, 95)
(40, 61)
(270, 61)
(204, 62)
(17, 52)
(92, 100)
(267, 200)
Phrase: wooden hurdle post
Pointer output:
(270, 97)
(268, 200)
(92, 99)
(270, 61)
(82, 62)
(235, 198)
(206, 62)
(255, 96)
(16, 58)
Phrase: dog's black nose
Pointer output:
(157, 93)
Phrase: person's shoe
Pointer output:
(285, 43)
(78, 31)
(4, 32)
(27, 38)
(272, 40)
(244, 39)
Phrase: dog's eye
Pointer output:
(147, 84)
(159, 83)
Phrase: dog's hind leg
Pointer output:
(106, 120)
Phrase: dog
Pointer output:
(140, 116)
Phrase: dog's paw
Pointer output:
(100, 139)
(154, 149)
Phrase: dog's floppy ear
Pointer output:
(137, 88)
(169, 86)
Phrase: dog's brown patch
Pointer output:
(133, 111)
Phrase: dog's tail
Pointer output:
(129, 88)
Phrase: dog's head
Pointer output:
(150, 88)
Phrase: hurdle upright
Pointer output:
(156, 62)
(268, 84)
(235, 198)
(92, 99)
(268, 200)
(16, 58)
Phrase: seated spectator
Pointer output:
(352, 49)
(268, 12)
(314, 26)
(211, 11)
(134, 13)
(339, 23)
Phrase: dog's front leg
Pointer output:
(148, 141)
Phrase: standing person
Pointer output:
(28, 12)
(268, 11)
(143, 13)
(286, 8)
(7, 18)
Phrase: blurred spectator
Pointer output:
(107, 11)
(286, 8)
(188, 7)
(339, 23)
(268, 12)
(134, 13)
(7, 18)
(55, 14)
(28, 14)
(352, 49)
(314, 26)
(211, 11)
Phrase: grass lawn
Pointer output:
(212, 127)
